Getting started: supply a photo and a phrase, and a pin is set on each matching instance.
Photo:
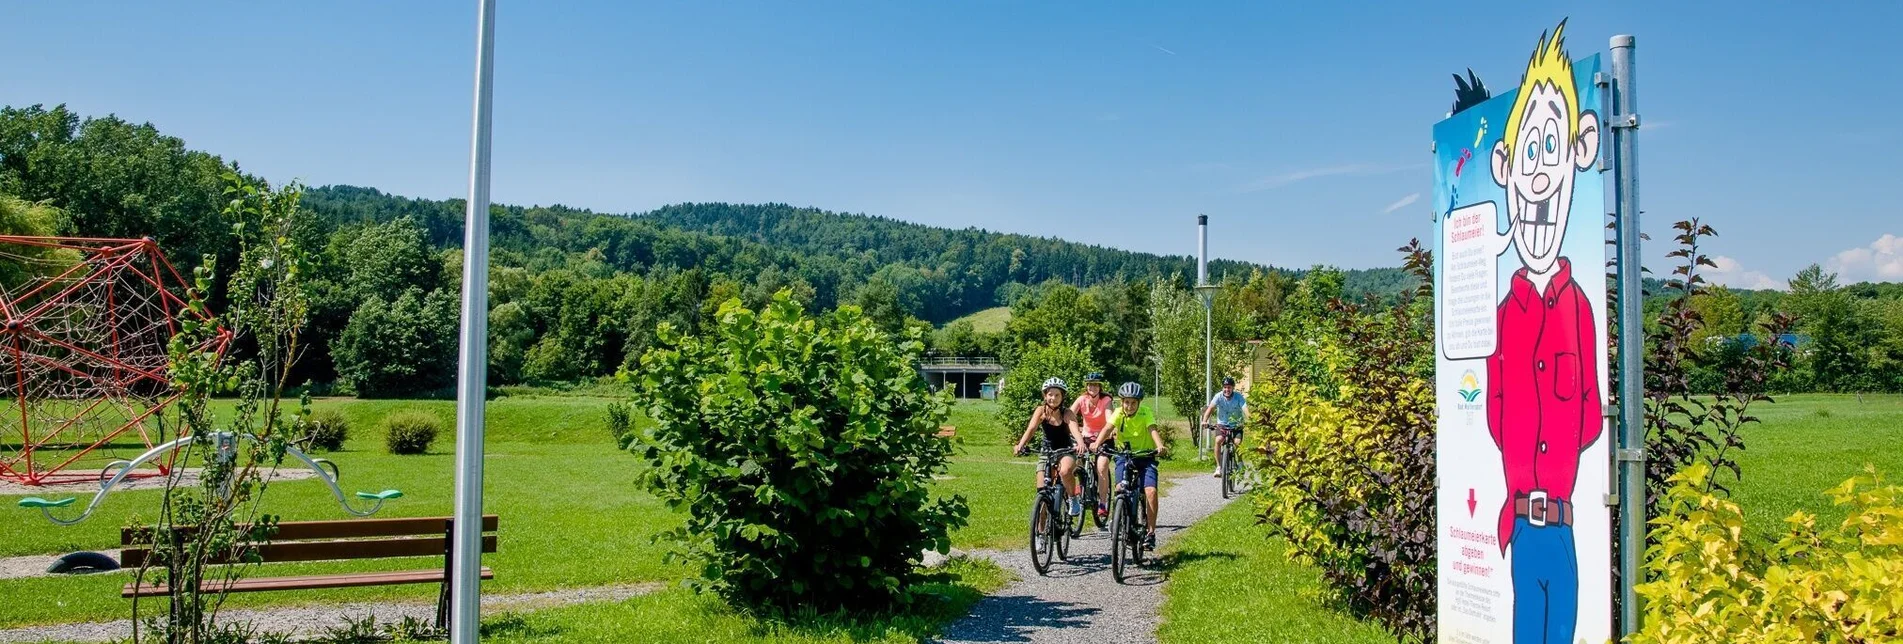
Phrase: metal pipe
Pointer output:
(1631, 454)
(473, 363)
(1209, 337)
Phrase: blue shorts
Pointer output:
(1146, 469)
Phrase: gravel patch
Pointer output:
(188, 478)
(35, 565)
(313, 620)
(1080, 602)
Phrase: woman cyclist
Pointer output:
(1061, 432)
(1093, 410)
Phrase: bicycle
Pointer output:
(1226, 458)
(1049, 534)
(1087, 488)
(1128, 515)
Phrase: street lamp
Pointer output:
(1208, 292)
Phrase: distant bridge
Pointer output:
(965, 374)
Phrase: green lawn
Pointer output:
(1229, 583)
(990, 320)
(1808, 444)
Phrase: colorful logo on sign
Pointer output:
(1469, 386)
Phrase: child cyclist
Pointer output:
(1133, 427)
(1061, 432)
(1093, 410)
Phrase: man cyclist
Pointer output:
(1133, 426)
(1093, 409)
(1061, 432)
(1230, 408)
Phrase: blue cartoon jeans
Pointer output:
(1545, 583)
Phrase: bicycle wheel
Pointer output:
(1226, 459)
(1119, 533)
(1041, 532)
(1138, 526)
(1061, 527)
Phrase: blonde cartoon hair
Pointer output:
(1550, 66)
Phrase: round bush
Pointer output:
(327, 431)
(410, 432)
(802, 451)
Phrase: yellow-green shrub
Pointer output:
(1710, 584)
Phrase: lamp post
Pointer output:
(1208, 291)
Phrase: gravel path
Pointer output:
(1080, 601)
(312, 620)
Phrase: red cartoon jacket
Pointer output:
(1543, 389)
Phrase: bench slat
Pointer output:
(308, 582)
(277, 551)
(345, 529)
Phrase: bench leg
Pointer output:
(449, 571)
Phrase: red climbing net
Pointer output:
(83, 354)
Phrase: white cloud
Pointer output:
(1298, 176)
(1403, 203)
(1729, 272)
(1881, 261)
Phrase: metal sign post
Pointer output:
(1631, 453)
(473, 363)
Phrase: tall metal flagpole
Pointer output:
(1209, 337)
(473, 363)
(1631, 454)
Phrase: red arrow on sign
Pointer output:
(1471, 503)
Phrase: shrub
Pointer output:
(1710, 584)
(410, 432)
(620, 425)
(327, 430)
(1023, 384)
(1348, 452)
(802, 451)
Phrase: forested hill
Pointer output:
(940, 273)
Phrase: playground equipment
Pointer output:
(83, 353)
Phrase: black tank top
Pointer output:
(1056, 436)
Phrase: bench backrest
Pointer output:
(328, 540)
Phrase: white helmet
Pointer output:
(1055, 382)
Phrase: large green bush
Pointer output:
(1023, 387)
(802, 451)
(327, 430)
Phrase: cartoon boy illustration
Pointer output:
(1542, 380)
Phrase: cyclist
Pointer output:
(1093, 409)
(1133, 426)
(1061, 432)
(1230, 408)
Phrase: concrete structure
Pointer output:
(965, 375)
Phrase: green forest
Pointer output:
(576, 295)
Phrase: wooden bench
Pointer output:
(331, 541)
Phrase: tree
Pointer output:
(384, 260)
(1722, 313)
(20, 264)
(1838, 354)
(398, 348)
(1023, 388)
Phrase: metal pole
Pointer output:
(1209, 353)
(473, 363)
(1631, 455)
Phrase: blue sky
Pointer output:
(1301, 130)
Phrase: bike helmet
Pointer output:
(1228, 382)
(1093, 377)
(1055, 382)
(1130, 390)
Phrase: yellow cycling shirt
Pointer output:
(1133, 430)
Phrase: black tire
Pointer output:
(1041, 533)
(1119, 532)
(1060, 507)
(1226, 458)
(80, 563)
(1137, 526)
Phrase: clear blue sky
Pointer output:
(1302, 130)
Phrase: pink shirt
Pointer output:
(1543, 389)
(1096, 413)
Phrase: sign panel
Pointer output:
(1520, 319)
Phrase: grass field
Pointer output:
(990, 320)
(571, 517)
